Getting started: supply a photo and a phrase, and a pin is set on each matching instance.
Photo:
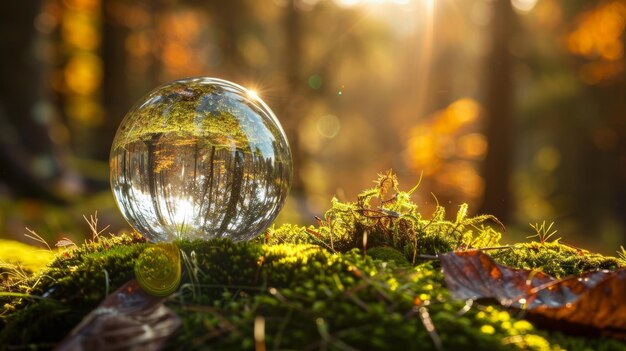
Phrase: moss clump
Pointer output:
(21, 259)
(359, 280)
(306, 296)
(386, 254)
(555, 259)
(83, 274)
(385, 217)
(376, 220)
(73, 283)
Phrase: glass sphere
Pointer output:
(200, 158)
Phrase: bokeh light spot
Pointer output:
(328, 126)
(315, 81)
(523, 6)
(548, 158)
(83, 73)
(347, 3)
(464, 110)
(472, 146)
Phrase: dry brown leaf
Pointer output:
(128, 319)
(595, 299)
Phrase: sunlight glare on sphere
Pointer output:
(200, 158)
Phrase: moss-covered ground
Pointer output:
(363, 279)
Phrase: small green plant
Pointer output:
(385, 216)
(543, 233)
(621, 253)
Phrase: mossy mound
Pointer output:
(361, 280)
(306, 296)
(555, 259)
(29, 259)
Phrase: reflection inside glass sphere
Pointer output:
(200, 158)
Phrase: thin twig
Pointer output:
(36, 237)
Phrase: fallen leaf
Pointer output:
(595, 299)
(128, 319)
(602, 306)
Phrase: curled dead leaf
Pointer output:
(128, 319)
(595, 299)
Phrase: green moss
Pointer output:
(387, 254)
(28, 257)
(311, 287)
(394, 222)
(601, 344)
(309, 297)
(40, 325)
(73, 284)
(306, 296)
(555, 259)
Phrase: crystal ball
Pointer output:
(200, 158)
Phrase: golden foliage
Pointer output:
(449, 146)
(597, 37)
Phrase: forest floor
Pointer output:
(373, 274)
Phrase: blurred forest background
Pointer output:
(517, 107)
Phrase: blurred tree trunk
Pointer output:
(117, 98)
(291, 104)
(232, 21)
(31, 163)
(497, 198)
(619, 205)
